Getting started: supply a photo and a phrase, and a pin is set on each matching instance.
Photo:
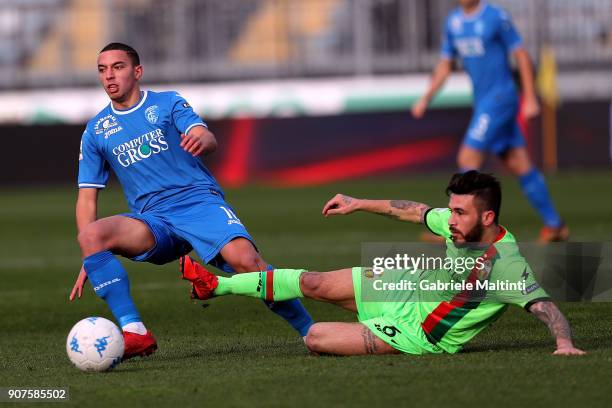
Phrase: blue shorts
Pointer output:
(494, 128)
(199, 219)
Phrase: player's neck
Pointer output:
(491, 234)
(131, 100)
(470, 11)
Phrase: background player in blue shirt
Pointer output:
(483, 36)
(152, 142)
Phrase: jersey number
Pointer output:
(231, 217)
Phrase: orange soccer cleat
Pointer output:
(138, 344)
(203, 282)
(551, 234)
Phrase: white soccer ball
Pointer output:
(95, 344)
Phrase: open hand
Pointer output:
(341, 205)
(569, 351)
(77, 289)
(193, 143)
(419, 108)
(531, 108)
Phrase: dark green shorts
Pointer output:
(396, 323)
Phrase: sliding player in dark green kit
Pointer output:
(418, 321)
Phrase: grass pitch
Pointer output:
(236, 353)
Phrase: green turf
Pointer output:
(235, 352)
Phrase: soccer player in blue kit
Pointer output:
(152, 142)
(483, 36)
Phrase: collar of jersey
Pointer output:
(138, 105)
(501, 235)
(471, 17)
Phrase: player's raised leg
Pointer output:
(535, 189)
(346, 339)
(99, 242)
(282, 284)
(274, 285)
(333, 287)
(241, 255)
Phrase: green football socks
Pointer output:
(272, 285)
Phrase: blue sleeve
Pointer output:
(508, 33)
(93, 168)
(183, 115)
(447, 50)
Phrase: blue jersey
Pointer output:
(484, 41)
(142, 146)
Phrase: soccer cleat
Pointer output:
(203, 282)
(138, 345)
(551, 234)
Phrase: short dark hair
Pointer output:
(131, 52)
(484, 187)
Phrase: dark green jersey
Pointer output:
(505, 279)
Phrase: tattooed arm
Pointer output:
(402, 210)
(550, 314)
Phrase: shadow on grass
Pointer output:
(587, 344)
(239, 350)
(507, 346)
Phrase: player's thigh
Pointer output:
(241, 255)
(122, 235)
(517, 160)
(334, 287)
(348, 339)
(470, 158)
(492, 129)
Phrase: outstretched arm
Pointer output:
(86, 213)
(438, 78)
(402, 210)
(550, 314)
(531, 105)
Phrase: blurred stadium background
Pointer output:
(298, 91)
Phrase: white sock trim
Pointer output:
(135, 327)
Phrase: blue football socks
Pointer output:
(534, 187)
(294, 313)
(110, 282)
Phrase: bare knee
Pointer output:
(517, 161)
(93, 239)
(314, 338)
(311, 284)
(469, 158)
(247, 262)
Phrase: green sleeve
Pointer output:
(436, 219)
(516, 271)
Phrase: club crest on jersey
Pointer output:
(152, 114)
(107, 125)
(456, 25)
(483, 273)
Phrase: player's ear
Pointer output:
(138, 72)
(488, 218)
